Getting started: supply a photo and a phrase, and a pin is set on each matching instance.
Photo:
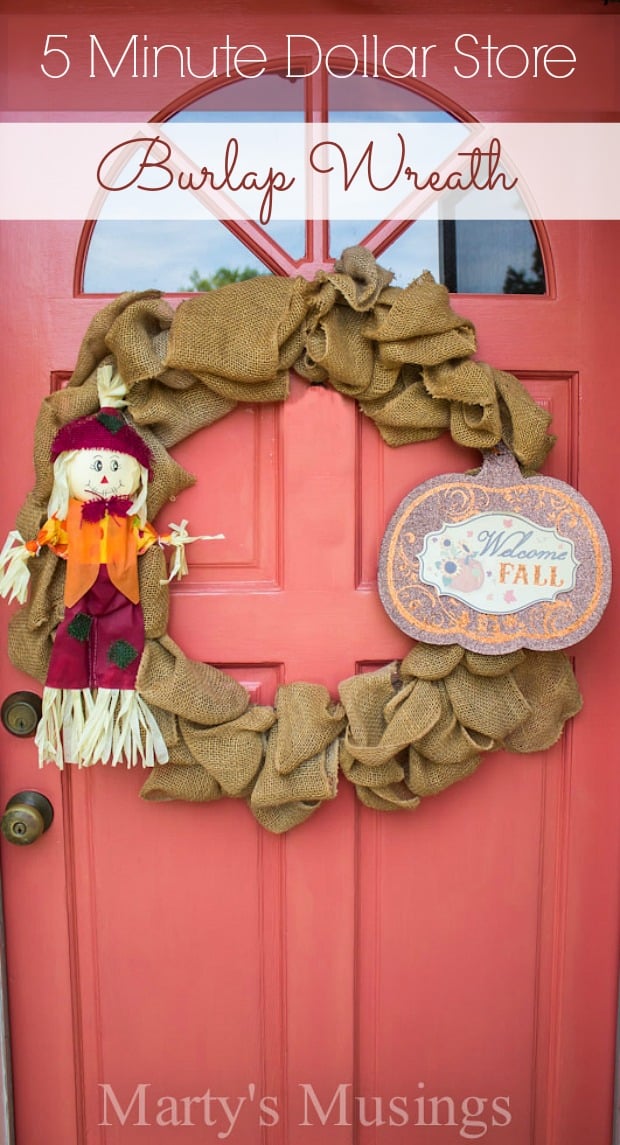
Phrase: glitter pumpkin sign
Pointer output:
(495, 561)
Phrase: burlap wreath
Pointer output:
(410, 729)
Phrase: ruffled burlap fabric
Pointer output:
(402, 733)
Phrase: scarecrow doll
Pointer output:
(97, 524)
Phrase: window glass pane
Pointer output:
(356, 98)
(136, 256)
(469, 257)
(270, 93)
(492, 257)
(272, 98)
(348, 232)
(161, 255)
(417, 249)
(489, 257)
(381, 102)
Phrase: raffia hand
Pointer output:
(178, 538)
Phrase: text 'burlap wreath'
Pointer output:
(93, 629)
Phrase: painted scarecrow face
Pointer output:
(95, 473)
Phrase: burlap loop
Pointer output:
(314, 778)
(284, 816)
(282, 801)
(31, 629)
(359, 278)
(392, 797)
(547, 682)
(34, 510)
(408, 413)
(382, 723)
(308, 722)
(29, 649)
(524, 424)
(192, 690)
(475, 419)
(389, 771)
(155, 603)
(338, 346)
(189, 784)
(409, 730)
(231, 752)
(232, 338)
(427, 777)
(383, 719)
(172, 417)
(417, 727)
(474, 427)
(483, 665)
(132, 338)
(431, 661)
(491, 705)
(449, 741)
(364, 697)
(300, 767)
(420, 326)
(94, 347)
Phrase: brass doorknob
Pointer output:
(26, 817)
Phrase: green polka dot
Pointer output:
(80, 627)
(122, 653)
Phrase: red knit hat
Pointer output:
(107, 429)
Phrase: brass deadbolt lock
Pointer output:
(27, 816)
(21, 712)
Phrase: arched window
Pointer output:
(478, 257)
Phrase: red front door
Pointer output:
(435, 976)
